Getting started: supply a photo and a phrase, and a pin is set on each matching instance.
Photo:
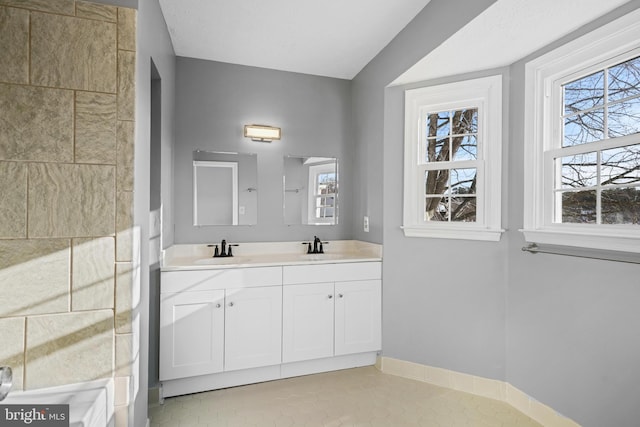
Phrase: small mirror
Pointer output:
(225, 188)
(310, 190)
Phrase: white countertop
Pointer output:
(200, 256)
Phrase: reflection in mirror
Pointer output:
(310, 190)
(225, 188)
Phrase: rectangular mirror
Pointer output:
(310, 190)
(225, 188)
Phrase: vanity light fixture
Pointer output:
(262, 133)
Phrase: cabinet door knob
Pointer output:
(340, 295)
(218, 305)
(231, 304)
(330, 296)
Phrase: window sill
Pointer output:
(461, 233)
(623, 241)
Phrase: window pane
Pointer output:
(463, 181)
(436, 209)
(624, 80)
(465, 148)
(584, 128)
(577, 171)
(465, 121)
(621, 165)
(621, 206)
(436, 182)
(438, 124)
(585, 93)
(437, 150)
(463, 209)
(579, 207)
(624, 118)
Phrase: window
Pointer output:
(323, 183)
(452, 160)
(582, 141)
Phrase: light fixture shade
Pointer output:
(262, 133)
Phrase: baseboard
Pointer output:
(493, 389)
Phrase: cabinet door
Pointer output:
(307, 322)
(253, 328)
(191, 333)
(358, 320)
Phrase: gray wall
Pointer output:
(454, 290)
(215, 100)
(572, 323)
(154, 45)
(433, 25)
(561, 329)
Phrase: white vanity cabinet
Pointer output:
(191, 333)
(253, 327)
(307, 321)
(228, 326)
(331, 310)
(219, 320)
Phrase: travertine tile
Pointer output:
(95, 128)
(124, 226)
(13, 200)
(126, 29)
(126, 140)
(124, 352)
(103, 12)
(65, 7)
(69, 348)
(73, 53)
(518, 399)
(126, 85)
(36, 124)
(93, 279)
(437, 376)
(71, 200)
(14, 39)
(12, 348)
(124, 285)
(404, 369)
(34, 276)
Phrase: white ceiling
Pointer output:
(334, 38)
(337, 38)
(505, 32)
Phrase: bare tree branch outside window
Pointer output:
(450, 191)
(601, 186)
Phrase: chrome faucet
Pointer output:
(223, 251)
(6, 381)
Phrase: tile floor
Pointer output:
(353, 397)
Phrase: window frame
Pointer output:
(484, 93)
(544, 77)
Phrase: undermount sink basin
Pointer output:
(222, 261)
(321, 257)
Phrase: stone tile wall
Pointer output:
(67, 98)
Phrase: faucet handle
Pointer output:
(229, 253)
(216, 252)
(308, 247)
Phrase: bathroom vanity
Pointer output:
(271, 311)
